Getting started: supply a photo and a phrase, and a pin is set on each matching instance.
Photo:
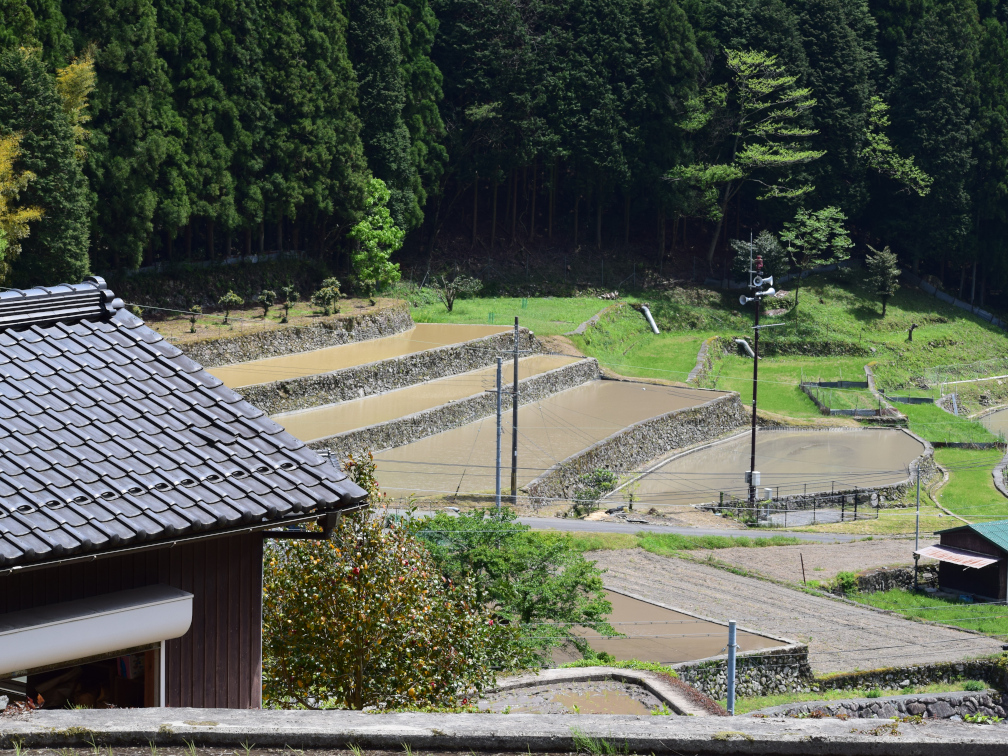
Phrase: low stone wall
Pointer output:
(898, 577)
(386, 375)
(929, 706)
(894, 678)
(757, 673)
(333, 331)
(640, 443)
(419, 425)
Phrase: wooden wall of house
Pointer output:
(218, 662)
(990, 581)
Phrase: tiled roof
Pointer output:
(111, 438)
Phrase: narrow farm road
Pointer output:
(573, 525)
(840, 636)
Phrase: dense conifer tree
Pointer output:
(57, 248)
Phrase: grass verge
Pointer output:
(664, 543)
(935, 424)
(990, 619)
(546, 316)
(755, 703)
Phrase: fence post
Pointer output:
(730, 678)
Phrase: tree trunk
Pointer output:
(577, 202)
(717, 230)
(962, 280)
(248, 241)
(973, 288)
(552, 197)
(295, 235)
(262, 237)
(169, 244)
(884, 300)
(280, 229)
(493, 223)
(188, 241)
(475, 207)
(514, 205)
(227, 244)
(626, 219)
(535, 170)
(598, 218)
(661, 242)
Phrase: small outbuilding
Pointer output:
(135, 491)
(973, 559)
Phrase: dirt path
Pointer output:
(841, 636)
(822, 560)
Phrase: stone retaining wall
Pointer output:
(329, 332)
(989, 671)
(786, 670)
(898, 577)
(928, 706)
(386, 375)
(757, 673)
(640, 443)
(419, 425)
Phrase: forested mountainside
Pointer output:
(234, 126)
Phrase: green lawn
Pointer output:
(663, 543)
(546, 316)
(970, 492)
(984, 618)
(935, 424)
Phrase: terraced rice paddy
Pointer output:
(423, 337)
(331, 419)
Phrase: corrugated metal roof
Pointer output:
(110, 437)
(957, 556)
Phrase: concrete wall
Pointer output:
(640, 443)
(419, 425)
(324, 333)
(386, 375)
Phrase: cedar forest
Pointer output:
(140, 131)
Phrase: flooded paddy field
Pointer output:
(598, 697)
(462, 460)
(996, 422)
(790, 462)
(421, 338)
(654, 633)
(320, 422)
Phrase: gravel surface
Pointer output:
(841, 636)
(822, 560)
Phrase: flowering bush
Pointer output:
(366, 619)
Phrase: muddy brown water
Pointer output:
(595, 697)
(793, 461)
(654, 633)
(996, 422)
(420, 338)
(549, 431)
(319, 422)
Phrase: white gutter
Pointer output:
(85, 628)
(650, 320)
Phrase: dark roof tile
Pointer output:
(111, 437)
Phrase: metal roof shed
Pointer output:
(125, 466)
(987, 544)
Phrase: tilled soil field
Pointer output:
(822, 560)
(841, 636)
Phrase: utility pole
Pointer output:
(500, 429)
(756, 282)
(917, 528)
(753, 479)
(514, 423)
(730, 678)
